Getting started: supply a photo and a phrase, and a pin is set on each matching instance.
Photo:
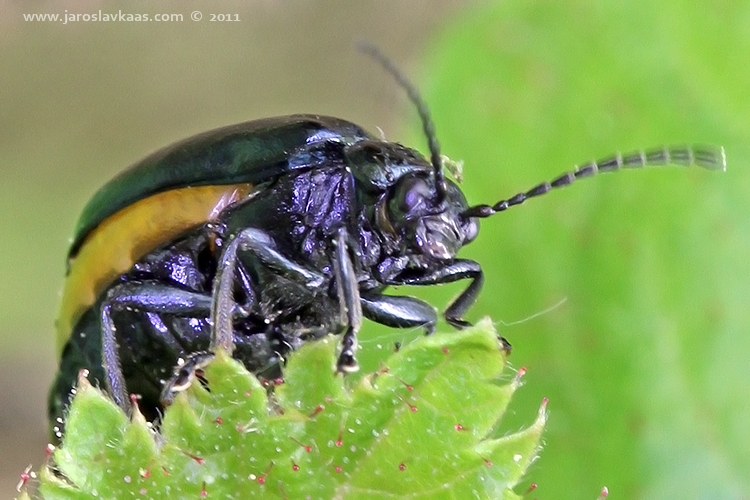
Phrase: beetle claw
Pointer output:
(347, 362)
(458, 324)
(184, 375)
(505, 345)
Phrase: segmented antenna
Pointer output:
(424, 113)
(709, 157)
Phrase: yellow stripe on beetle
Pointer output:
(125, 237)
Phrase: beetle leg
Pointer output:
(459, 269)
(399, 312)
(261, 246)
(347, 288)
(391, 267)
(184, 375)
(147, 297)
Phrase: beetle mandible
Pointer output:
(264, 235)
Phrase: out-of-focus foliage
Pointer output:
(646, 358)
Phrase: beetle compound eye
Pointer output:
(470, 230)
(411, 197)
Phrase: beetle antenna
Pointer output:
(424, 113)
(709, 157)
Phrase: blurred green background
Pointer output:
(643, 356)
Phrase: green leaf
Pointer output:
(424, 425)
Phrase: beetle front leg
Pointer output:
(399, 312)
(259, 244)
(347, 288)
(459, 269)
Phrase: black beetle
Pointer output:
(264, 235)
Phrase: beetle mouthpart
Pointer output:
(438, 238)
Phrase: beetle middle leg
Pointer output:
(261, 246)
(350, 304)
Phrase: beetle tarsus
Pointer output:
(505, 345)
(184, 375)
(458, 324)
(347, 361)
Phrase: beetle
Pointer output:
(261, 236)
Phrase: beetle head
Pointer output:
(428, 226)
(419, 211)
